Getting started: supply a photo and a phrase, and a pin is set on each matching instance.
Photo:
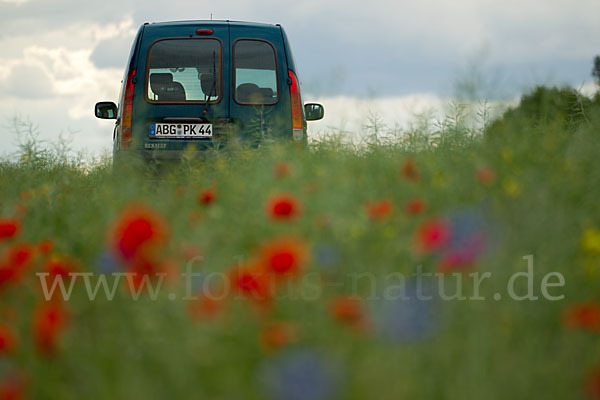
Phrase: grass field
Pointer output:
(452, 264)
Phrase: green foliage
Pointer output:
(596, 69)
(540, 199)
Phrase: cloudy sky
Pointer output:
(392, 58)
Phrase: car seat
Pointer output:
(165, 89)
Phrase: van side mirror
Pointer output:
(313, 111)
(106, 110)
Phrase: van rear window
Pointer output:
(181, 70)
(255, 72)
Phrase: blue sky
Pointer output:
(61, 56)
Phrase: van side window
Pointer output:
(255, 72)
(181, 70)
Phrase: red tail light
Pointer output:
(127, 111)
(297, 126)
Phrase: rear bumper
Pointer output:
(171, 154)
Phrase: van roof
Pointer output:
(213, 22)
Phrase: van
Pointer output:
(201, 84)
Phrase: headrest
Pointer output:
(158, 81)
(207, 80)
(247, 92)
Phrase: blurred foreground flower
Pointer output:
(137, 239)
(511, 187)
(137, 227)
(468, 241)
(378, 210)
(592, 384)
(299, 375)
(325, 255)
(283, 207)
(59, 266)
(49, 321)
(45, 246)
(252, 283)
(281, 170)
(284, 257)
(458, 240)
(409, 171)
(277, 335)
(585, 316)
(14, 263)
(415, 206)
(8, 340)
(590, 241)
(107, 262)
(204, 307)
(349, 310)
(411, 316)
(486, 175)
(9, 228)
(432, 235)
(12, 386)
(207, 196)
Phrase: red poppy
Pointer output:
(277, 335)
(432, 235)
(283, 207)
(348, 310)
(205, 307)
(584, 316)
(409, 171)
(207, 196)
(592, 384)
(45, 246)
(15, 263)
(12, 387)
(378, 210)
(8, 340)
(20, 255)
(284, 257)
(49, 322)
(9, 228)
(415, 206)
(59, 266)
(486, 175)
(252, 283)
(25, 195)
(281, 170)
(143, 270)
(136, 228)
(456, 260)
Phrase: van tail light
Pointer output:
(127, 111)
(297, 128)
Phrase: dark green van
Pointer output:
(203, 83)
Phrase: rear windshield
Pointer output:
(181, 70)
(255, 72)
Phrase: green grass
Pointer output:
(543, 197)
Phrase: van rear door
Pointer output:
(259, 103)
(182, 86)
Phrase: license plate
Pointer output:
(186, 131)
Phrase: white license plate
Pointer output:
(187, 131)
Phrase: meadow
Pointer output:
(447, 263)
